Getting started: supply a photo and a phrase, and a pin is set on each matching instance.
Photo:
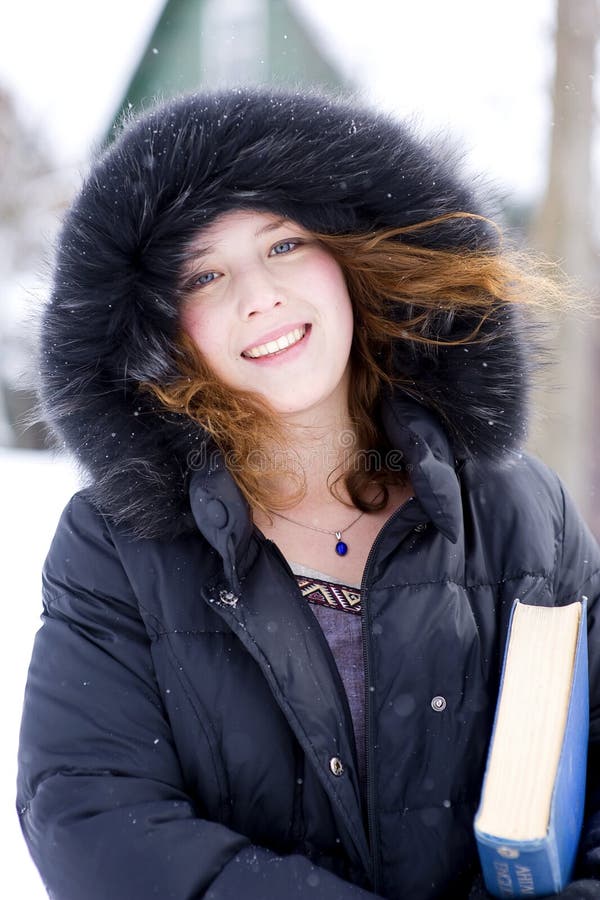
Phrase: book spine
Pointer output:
(568, 800)
(512, 872)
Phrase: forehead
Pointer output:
(236, 224)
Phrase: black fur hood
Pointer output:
(111, 320)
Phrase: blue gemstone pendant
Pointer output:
(340, 548)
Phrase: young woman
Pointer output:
(293, 357)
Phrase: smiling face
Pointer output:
(269, 310)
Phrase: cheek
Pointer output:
(208, 329)
(189, 320)
(340, 307)
(201, 328)
(328, 280)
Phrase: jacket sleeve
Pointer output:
(578, 574)
(101, 796)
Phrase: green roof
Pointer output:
(213, 43)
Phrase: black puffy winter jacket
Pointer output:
(178, 732)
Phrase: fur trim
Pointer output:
(112, 317)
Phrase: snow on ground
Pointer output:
(34, 487)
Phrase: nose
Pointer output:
(258, 293)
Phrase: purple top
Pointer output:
(337, 608)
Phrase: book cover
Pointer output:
(529, 819)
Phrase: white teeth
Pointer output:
(286, 340)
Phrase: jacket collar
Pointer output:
(222, 513)
(427, 453)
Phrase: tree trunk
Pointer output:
(563, 429)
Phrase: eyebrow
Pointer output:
(273, 226)
(198, 253)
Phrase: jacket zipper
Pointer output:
(373, 838)
(273, 546)
(370, 792)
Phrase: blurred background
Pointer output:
(513, 83)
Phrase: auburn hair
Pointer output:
(400, 291)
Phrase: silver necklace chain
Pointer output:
(337, 533)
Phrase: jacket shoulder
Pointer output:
(521, 477)
(518, 494)
(94, 562)
(521, 521)
(83, 565)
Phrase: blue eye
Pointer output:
(283, 247)
(206, 278)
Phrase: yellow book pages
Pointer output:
(531, 719)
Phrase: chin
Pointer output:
(293, 401)
(295, 408)
(288, 409)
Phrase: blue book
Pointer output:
(529, 819)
